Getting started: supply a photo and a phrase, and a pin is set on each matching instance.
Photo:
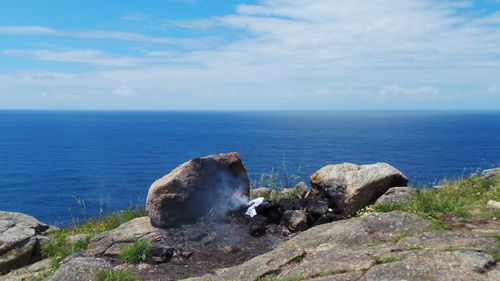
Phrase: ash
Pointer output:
(224, 240)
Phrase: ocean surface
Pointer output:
(67, 166)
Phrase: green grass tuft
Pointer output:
(399, 237)
(59, 248)
(116, 275)
(136, 252)
(391, 259)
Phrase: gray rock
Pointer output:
(351, 187)
(400, 194)
(195, 187)
(433, 266)
(113, 241)
(301, 189)
(260, 192)
(336, 240)
(77, 237)
(80, 267)
(493, 204)
(467, 241)
(36, 270)
(19, 240)
(338, 261)
(295, 220)
(490, 173)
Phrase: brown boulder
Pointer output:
(351, 187)
(196, 187)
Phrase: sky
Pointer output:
(249, 55)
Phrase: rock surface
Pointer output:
(490, 173)
(195, 187)
(366, 249)
(79, 267)
(351, 187)
(36, 270)
(493, 204)
(19, 240)
(400, 194)
(260, 192)
(112, 242)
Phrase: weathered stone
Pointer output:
(351, 276)
(260, 192)
(433, 266)
(36, 270)
(400, 194)
(77, 237)
(490, 173)
(196, 187)
(351, 187)
(295, 220)
(19, 240)
(80, 267)
(467, 241)
(326, 246)
(329, 262)
(301, 189)
(493, 204)
(387, 226)
(126, 233)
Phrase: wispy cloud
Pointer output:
(91, 57)
(29, 30)
(304, 54)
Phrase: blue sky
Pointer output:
(245, 55)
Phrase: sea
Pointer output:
(64, 167)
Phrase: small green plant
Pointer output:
(278, 179)
(59, 248)
(496, 235)
(298, 259)
(136, 252)
(404, 235)
(462, 213)
(495, 255)
(384, 208)
(374, 243)
(116, 275)
(391, 259)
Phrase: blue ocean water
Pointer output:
(65, 165)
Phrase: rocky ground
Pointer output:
(329, 232)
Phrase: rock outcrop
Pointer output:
(19, 240)
(33, 271)
(401, 195)
(376, 246)
(80, 267)
(111, 243)
(196, 187)
(490, 173)
(351, 187)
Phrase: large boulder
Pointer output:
(214, 182)
(19, 240)
(351, 187)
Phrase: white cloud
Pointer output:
(91, 57)
(124, 92)
(29, 30)
(324, 53)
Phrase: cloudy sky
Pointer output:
(246, 55)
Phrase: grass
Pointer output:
(116, 275)
(391, 259)
(464, 197)
(399, 237)
(59, 248)
(136, 252)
